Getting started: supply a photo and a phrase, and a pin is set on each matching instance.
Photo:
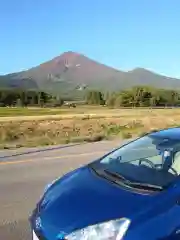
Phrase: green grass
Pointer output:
(12, 112)
(20, 111)
(85, 109)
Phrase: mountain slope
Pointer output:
(71, 72)
(144, 77)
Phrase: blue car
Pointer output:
(131, 193)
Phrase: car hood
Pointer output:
(83, 198)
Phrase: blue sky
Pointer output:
(121, 33)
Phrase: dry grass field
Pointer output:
(81, 124)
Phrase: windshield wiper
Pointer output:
(97, 172)
(146, 186)
(118, 176)
(132, 183)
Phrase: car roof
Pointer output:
(171, 133)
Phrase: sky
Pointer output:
(124, 34)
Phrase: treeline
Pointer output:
(22, 98)
(139, 96)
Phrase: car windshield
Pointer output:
(149, 161)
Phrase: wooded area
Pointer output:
(139, 96)
(21, 98)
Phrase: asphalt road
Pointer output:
(24, 174)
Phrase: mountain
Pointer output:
(70, 73)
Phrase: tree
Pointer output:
(152, 102)
(143, 96)
(118, 101)
(21, 97)
(110, 102)
(19, 102)
(94, 97)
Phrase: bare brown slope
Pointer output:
(75, 68)
(70, 70)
